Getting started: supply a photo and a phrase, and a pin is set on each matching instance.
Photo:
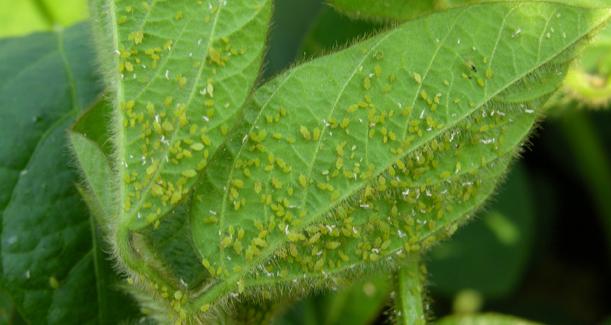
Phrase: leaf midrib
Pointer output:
(224, 285)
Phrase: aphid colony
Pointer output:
(175, 118)
(327, 173)
(310, 195)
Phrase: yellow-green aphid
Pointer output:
(417, 78)
(305, 132)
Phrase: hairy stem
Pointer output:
(409, 302)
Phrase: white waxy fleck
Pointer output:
(12, 240)
(488, 141)
(516, 33)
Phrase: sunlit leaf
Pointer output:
(361, 157)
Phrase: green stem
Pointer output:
(592, 163)
(409, 302)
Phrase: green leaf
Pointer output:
(90, 140)
(47, 260)
(400, 10)
(359, 158)
(180, 74)
(97, 173)
(404, 10)
(359, 304)
(27, 16)
(483, 319)
(410, 305)
(500, 238)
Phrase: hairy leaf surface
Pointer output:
(387, 9)
(182, 70)
(403, 10)
(379, 150)
(484, 319)
(47, 260)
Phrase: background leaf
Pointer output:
(291, 183)
(48, 263)
(26, 16)
(358, 304)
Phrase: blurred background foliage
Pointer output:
(21, 17)
(540, 249)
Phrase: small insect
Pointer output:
(471, 65)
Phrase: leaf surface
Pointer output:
(404, 10)
(46, 242)
(379, 150)
(386, 9)
(483, 319)
(181, 73)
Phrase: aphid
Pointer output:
(417, 78)
(471, 65)
(136, 37)
(53, 283)
(305, 132)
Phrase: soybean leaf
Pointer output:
(403, 10)
(181, 72)
(358, 304)
(51, 255)
(356, 159)
(47, 258)
(399, 10)
(500, 238)
(26, 16)
(483, 319)
(97, 173)
(90, 141)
